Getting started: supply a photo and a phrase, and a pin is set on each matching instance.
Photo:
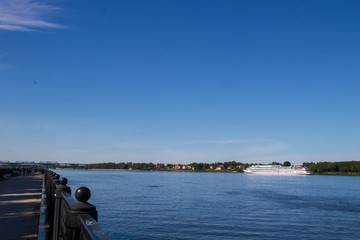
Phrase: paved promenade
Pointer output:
(20, 199)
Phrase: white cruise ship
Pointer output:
(278, 170)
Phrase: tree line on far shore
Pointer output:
(230, 166)
(334, 168)
(218, 166)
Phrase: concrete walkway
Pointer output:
(20, 199)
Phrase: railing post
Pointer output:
(49, 179)
(81, 207)
(61, 187)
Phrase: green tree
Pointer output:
(287, 163)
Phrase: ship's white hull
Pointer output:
(276, 173)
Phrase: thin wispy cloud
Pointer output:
(230, 141)
(5, 66)
(26, 15)
(124, 145)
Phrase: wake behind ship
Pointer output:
(278, 170)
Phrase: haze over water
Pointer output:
(188, 205)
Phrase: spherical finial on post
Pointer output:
(57, 176)
(83, 194)
(63, 181)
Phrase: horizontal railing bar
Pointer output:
(68, 200)
(90, 229)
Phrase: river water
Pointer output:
(191, 205)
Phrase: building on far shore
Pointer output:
(187, 167)
(220, 168)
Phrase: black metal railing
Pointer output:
(69, 219)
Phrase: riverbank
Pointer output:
(210, 171)
(20, 199)
(340, 173)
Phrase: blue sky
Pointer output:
(179, 81)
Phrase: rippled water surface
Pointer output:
(188, 205)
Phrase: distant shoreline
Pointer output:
(108, 169)
(322, 174)
(166, 170)
(345, 168)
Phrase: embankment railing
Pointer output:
(67, 218)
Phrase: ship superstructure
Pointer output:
(278, 170)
